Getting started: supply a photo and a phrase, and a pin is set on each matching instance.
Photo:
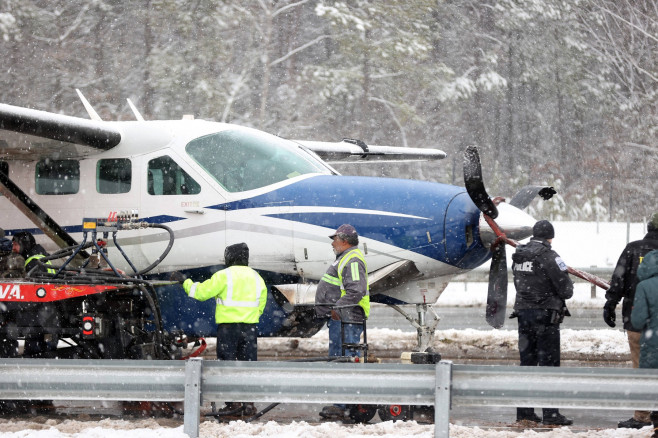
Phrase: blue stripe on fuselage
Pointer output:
(160, 219)
(430, 203)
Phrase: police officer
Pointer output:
(241, 295)
(542, 286)
(622, 286)
(342, 295)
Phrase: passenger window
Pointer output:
(165, 177)
(57, 177)
(113, 175)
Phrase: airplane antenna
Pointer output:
(137, 114)
(90, 110)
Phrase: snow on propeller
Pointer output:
(498, 275)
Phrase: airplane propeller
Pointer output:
(498, 277)
(497, 293)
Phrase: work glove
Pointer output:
(335, 316)
(177, 276)
(609, 313)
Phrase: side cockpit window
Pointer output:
(165, 177)
(242, 160)
(57, 177)
(113, 175)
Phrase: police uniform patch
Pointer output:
(560, 263)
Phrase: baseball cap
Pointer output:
(345, 229)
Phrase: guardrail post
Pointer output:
(593, 289)
(442, 399)
(192, 407)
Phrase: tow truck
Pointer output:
(83, 307)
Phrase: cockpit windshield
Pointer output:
(242, 159)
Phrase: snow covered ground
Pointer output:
(238, 429)
(580, 244)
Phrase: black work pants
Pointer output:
(539, 344)
(539, 338)
(237, 341)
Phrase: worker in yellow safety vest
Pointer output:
(343, 295)
(240, 294)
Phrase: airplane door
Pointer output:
(174, 194)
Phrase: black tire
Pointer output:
(394, 413)
(424, 414)
(362, 413)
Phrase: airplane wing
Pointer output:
(27, 133)
(353, 151)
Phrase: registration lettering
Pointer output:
(10, 291)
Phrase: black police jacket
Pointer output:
(624, 277)
(540, 277)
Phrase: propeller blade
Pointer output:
(475, 185)
(524, 196)
(497, 295)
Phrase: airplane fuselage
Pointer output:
(217, 184)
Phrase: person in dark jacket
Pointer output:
(8, 343)
(542, 288)
(342, 297)
(644, 317)
(23, 243)
(622, 286)
(37, 344)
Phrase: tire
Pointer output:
(424, 414)
(394, 413)
(362, 413)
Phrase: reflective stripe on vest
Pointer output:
(37, 257)
(229, 301)
(192, 290)
(331, 279)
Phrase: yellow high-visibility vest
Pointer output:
(239, 291)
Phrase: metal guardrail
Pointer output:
(441, 385)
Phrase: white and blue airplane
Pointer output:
(216, 184)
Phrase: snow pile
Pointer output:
(586, 344)
(239, 429)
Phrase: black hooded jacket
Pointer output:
(540, 277)
(237, 254)
(624, 277)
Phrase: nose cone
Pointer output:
(515, 223)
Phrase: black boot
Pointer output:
(527, 414)
(632, 423)
(248, 409)
(552, 417)
(231, 408)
